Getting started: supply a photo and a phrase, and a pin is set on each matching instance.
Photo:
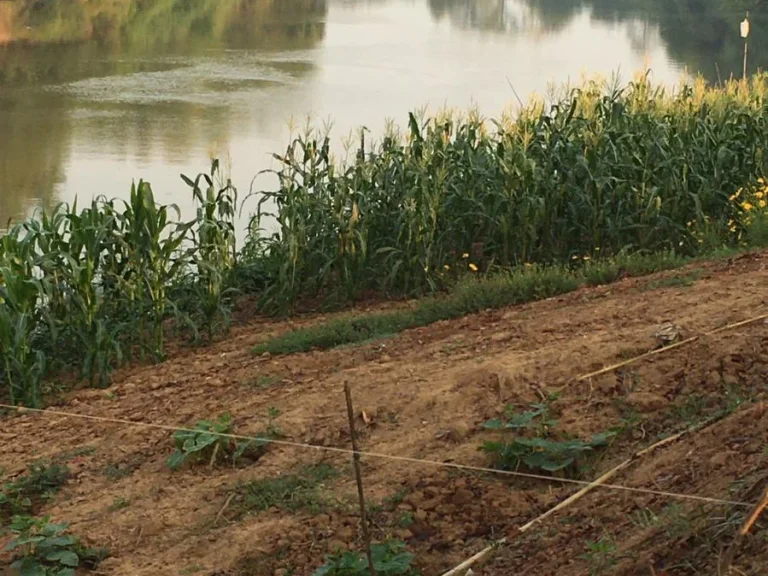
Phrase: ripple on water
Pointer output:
(200, 80)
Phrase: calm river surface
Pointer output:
(94, 94)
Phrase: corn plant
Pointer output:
(24, 365)
(598, 169)
(214, 252)
(153, 244)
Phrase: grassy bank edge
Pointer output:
(474, 294)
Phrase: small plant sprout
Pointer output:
(601, 555)
(389, 559)
(209, 442)
(42, 548)
(532, 444)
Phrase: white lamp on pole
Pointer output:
(744, 29)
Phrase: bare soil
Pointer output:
(426, 393)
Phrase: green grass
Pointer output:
(298, 491)
(680, 281)
(263, 382)
(473, 295)
(119, 503)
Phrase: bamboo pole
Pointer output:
(359, 479)
(489, 550)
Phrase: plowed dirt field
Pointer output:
(426, 394)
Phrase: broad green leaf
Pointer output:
(58, 541)
(65, 557)
(495, 424)
(176, 460)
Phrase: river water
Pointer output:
(94, 94)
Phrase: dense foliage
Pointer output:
(90, 288)
(600, 171)
(597, 173)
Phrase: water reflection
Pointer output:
(95, 93)
(703, 35)
(145, 80)
(31, 159)
(501, 15)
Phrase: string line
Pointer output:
(407, 459)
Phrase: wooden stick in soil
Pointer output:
(359, 478)
(460, 570)
(724, 566)
(665, 349)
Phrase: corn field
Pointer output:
(599, 170)
(595, 172)
(90, 288)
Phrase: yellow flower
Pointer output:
(761, 203)
(465, 255)
(747, 206)
(759, 195)
(732, 228)
(734, 196)
(446, 267)
(586, 258)
(472, 267)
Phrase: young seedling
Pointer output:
(41, 548)
(389, 559)
(209, 442)
(601, 555)
(533, 446)
(29, 490)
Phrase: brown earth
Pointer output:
(426, 393)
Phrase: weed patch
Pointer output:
(32, 489)
(681, 281)
(263, 382)
(600, 555)
(292, 492)
(119, 503)
(119, 470)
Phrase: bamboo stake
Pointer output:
(359, 478)
(724, 566)
(488, 551)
